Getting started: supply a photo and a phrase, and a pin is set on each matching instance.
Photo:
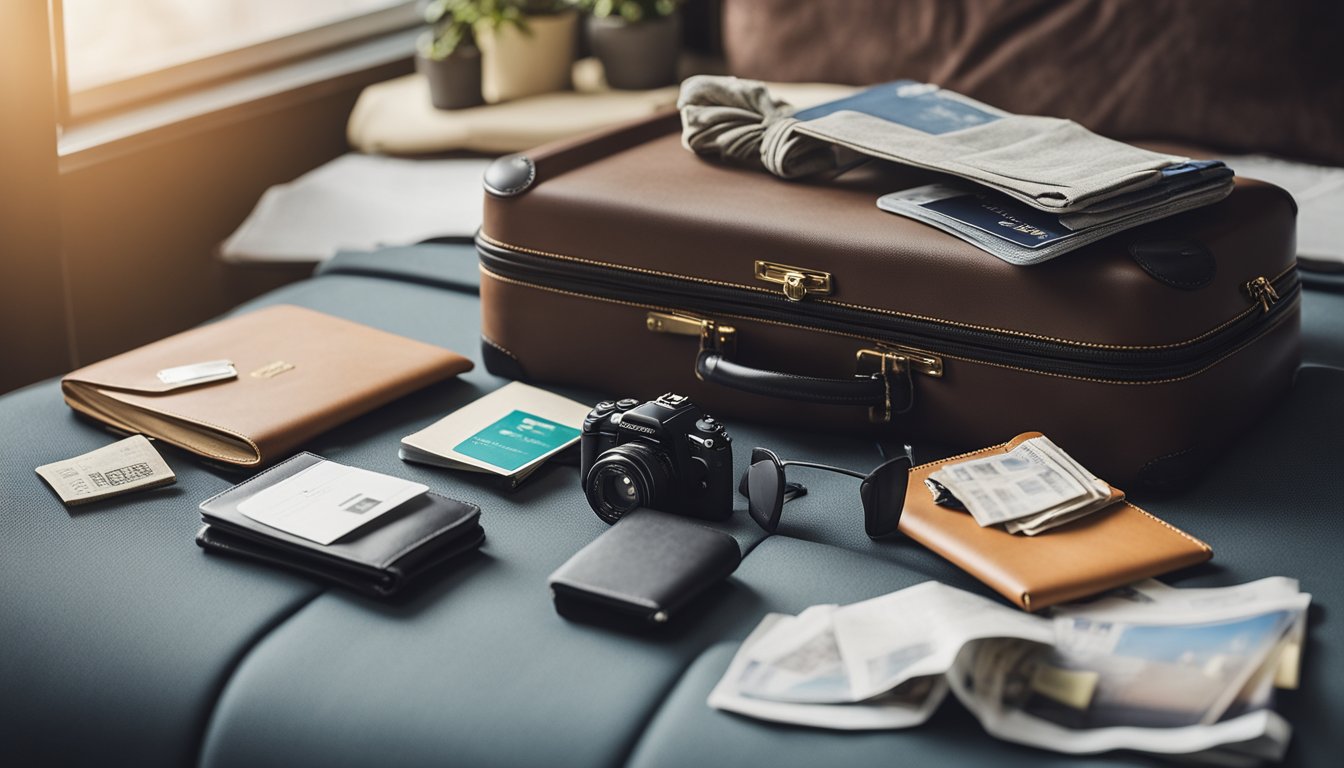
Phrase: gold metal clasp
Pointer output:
(898, 357)
(797, 282)
(712, 335)
(895, 363)
(1261, 290)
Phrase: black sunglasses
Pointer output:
(882, 490)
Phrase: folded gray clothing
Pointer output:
(745, 126)
(1049, 163)
(1214, 175)
(929, 205)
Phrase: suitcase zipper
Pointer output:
(1125, 365)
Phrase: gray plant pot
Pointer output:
(454, 82)
(637, 56)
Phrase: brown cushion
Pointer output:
(1240, 75)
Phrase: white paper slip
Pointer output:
(127, 465)
(198, 373)
(328, 500)
(509, 432)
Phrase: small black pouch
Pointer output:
(643, 571)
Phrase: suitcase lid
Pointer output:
(634, 199)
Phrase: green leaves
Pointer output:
(453, 22)
(630, 11)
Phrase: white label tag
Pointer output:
(198, 373)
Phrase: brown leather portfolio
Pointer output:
(1118, 545)
(295, 374)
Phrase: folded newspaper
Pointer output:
(1029, 189)
(1149, 667)
(1032, 488)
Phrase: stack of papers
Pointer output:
(1148, 667)
(1032, 488)
(360, 202)
(509, 432)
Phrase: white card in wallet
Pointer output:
(328, 500)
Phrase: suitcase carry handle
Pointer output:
(883, 382)
(887, 391)
(870, 390)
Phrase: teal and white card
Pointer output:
(509, 432)
(517, 439)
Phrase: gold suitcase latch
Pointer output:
(797, 282)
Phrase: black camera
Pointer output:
(664, 454)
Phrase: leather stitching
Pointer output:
(1155, 461)
(961, 456)
(496, 345)
(1170, 527)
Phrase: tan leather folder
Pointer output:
(299, 373)
(1119, 545)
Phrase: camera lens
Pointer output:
(625, 478)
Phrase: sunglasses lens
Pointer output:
(883, 496)
(765, 484)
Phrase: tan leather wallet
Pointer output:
(1116, 546)
(299, 373)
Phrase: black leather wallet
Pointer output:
(378, 559)
(646, 569)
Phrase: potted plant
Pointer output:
(637, 41)
(527, 47)
(447, 54)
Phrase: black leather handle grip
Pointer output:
(871, 391)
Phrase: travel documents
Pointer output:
(1065, 558)
(248, 389)
(1033, 487)
(1020, 234)
(1149, 667)
(509, 432)
(124, 466)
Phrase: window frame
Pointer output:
(109, 98)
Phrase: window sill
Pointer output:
(104, 138)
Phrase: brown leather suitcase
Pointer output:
(625, 264)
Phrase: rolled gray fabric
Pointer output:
(738, 122)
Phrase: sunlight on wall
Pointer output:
(111, 41)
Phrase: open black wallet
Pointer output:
(378, 559)
(643, 570)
